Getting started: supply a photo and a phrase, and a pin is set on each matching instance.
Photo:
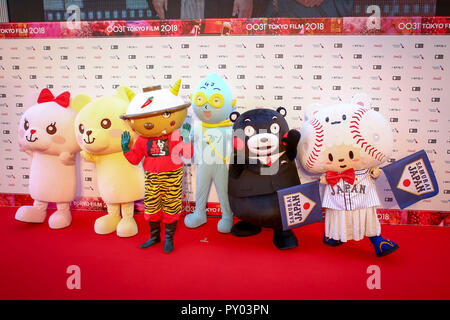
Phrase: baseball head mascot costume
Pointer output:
(155, 115)
(346, 143)
(46, 132)
(98, 128)
(263, 162)
(212, 103)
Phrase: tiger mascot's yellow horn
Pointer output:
(176, 87)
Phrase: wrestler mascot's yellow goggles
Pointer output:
(216, 100)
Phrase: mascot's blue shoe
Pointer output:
(383, 246)
(331, 242)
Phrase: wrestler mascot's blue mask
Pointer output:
(212, 100)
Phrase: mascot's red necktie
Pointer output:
(334, 177)
(46, 96)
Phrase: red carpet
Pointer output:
(34, 260)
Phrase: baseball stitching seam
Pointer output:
(314, 155)
(368, 148)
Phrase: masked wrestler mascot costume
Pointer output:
(156, 115)
(212, 103)
(346, 143)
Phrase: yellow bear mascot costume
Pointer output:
(98, 129)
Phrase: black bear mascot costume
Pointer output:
(263, 162)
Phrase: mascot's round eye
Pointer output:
(81, 128)
(216, 100)
(166, 114)
(330, 156)
(249, 131)
(200, 99)
(344, 117)
(51, 128)
(351, 155)
(274, 128)
(106, 123)
(26, 125)
(327, 119)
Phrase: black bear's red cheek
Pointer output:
(285, 138)
(238, 143)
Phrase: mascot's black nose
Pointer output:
(89, 132)
(263, 140)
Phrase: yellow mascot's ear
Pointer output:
(125, 93)
(79, 101)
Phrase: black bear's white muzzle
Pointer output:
(263, 144)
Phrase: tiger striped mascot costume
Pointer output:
(156, 116)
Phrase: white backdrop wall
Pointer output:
(406, 76)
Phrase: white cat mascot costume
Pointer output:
(46, 132)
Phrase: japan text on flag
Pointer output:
(300, 205)
(411, 179)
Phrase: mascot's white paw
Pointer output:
(106, 224)
(224, 225)
(127, 227)
(60, 219)
(195, 220)
(31, 214)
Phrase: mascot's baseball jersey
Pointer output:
(345, 196)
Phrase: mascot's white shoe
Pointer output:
(60, 219)
(106, 224)
(127, 227)
(31, 214)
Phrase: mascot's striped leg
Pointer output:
(163, 201)
(172, 187)
(152, 211)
